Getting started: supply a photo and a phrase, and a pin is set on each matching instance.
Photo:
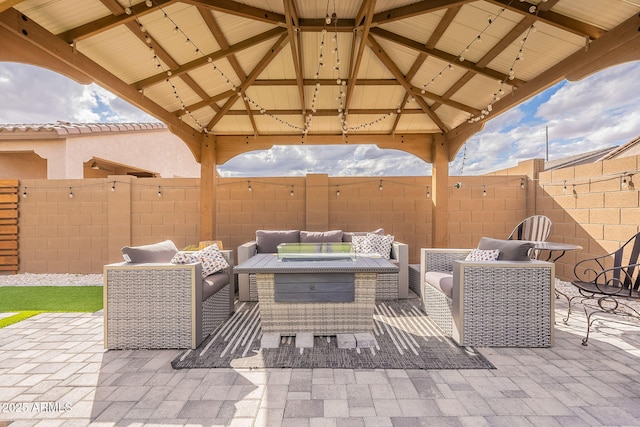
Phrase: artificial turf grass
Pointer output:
(17, 317)
(50, 298)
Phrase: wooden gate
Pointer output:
(9, 226)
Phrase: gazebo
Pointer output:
(229, 77)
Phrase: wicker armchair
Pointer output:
(491, 304)
(161, 306)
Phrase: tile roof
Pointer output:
(63, 129)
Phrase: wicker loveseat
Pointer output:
(390, 286)
(156, 304)
(501, 303)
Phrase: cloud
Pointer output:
(32, 94)
(599, 111)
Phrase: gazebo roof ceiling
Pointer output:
(291, 68)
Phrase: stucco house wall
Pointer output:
(66, 151)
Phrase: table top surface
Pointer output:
(268, 263)
(555, 246)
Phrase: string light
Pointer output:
(522, 184)
(564, 188)
(113, 186)
(249, 186)
(484, 190)
(428, 193)
(24, 193)
(70, 193)
(159, 191)
(624, 182)
(380, 186)
(291, 193)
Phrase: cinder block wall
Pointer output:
(595, 211)
(59, 234)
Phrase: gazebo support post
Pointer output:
(208, 187)
(440, 194)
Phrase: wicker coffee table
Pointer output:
(324, 297)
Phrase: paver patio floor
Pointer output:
(54, 371)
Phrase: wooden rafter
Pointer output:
(442, 26)
(444, 56)
(214, 56)
(32, 33)
(111, 21)
(273, 52)
(366, 9)
(393, 68)
(296, 48)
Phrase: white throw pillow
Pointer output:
(483, 255)
(373, 244)
(210, 257)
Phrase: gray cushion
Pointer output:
(441, 281)
(267, 241)
(213, 283)
(321, 236)
(348, 235)
(510, 250)
(155, 252)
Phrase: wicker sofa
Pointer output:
(156, 304)
(389, 286)
(502, 303)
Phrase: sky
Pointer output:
(600, 111)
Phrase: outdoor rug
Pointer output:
(405, 338)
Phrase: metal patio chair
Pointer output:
(609, 284)
(536, 228)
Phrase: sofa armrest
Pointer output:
(135, 305)
(400, 252)
(439, 259)
(245, 251)
(518, 297)
(228, 256)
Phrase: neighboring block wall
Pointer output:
(59, 234)
(79, 235)
(595, 212)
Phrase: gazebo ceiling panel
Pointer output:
(403, 57)
(269, 50)
(63, 15)
(274, 97)
(437, 76)
(372, 68)
(281, 67)
(416, 123)
(418, 28)
(172, 93)
(478, 92)
(601, 13)
(124, 54)
(541, 50)
(193, 38)
(237, 29)
(211, 80)
(377, 97)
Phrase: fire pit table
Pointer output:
(321, 288)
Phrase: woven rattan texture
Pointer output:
(149, 308)
(215, 310)
(386, 287)
(414, 279)
(439, 308)
(507, 307)
(443, 261)
(319, 318)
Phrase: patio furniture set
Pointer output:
(326, 283)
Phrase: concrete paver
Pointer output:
(55, 371)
